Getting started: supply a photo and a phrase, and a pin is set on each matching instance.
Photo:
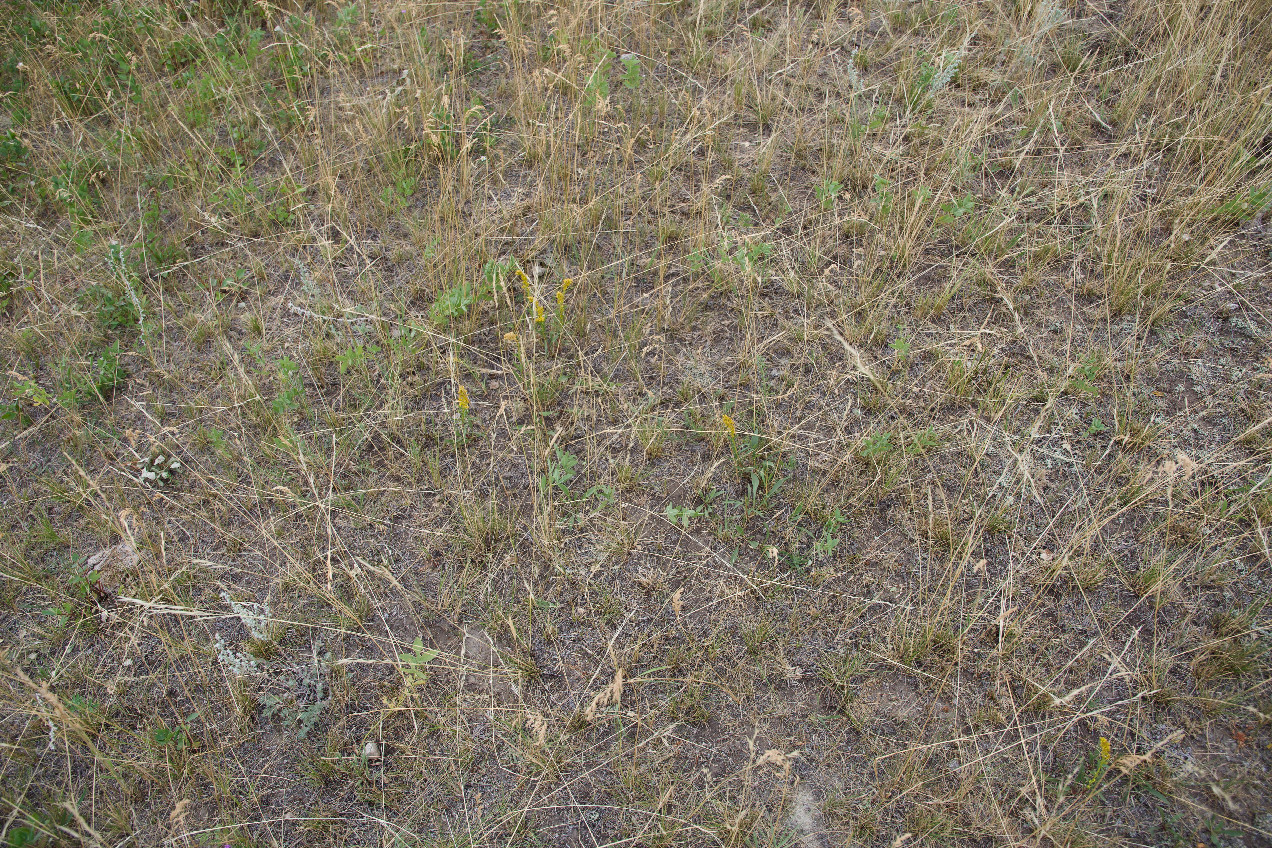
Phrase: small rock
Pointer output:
(372, 751)
(115, 568)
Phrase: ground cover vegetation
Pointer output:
(645, 422)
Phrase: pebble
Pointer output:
(372, 751)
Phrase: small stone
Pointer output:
(372, 751)
(116, 568)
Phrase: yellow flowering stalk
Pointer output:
(539, 317)
(462, 400)
(1104, 758)
(560, 298)
(525, 281)
(730, 425)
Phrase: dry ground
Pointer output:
(686, 422)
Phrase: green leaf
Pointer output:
(631, 71)
(415, 661)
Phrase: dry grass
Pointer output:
(893, 469)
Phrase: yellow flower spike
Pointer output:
(1106, 751)
(525, 281)
(730, 425)
(510, 338)
(462, 399)
(538, 311)
(561, 297)
(566, 283)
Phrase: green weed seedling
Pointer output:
(956, 209)
(901, 345)
(930, 79)
(876, 447)
(828, 542)
(94, 381)
(1082, 380)
(827, 191)
(291, 391)
(414, 663)
(1245, 205)
(299, 711)
(884, 196)
(681, 516)
(291, 714)
(158, 468)
(355, 356)
(454, 302)
(24, 393)
(596, 88)
(171, 738)
(631, 71)
(561, 470)
(922, 442)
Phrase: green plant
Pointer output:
(682, 515)
(25, 391)
(291, 391)
(414, 663)
(114, 311)
(1090, 772)
(298, 717)
(1244, 205)
(884, 196)
(840, 671)
(923, 441)
(103, 375)
(300, 710)
(157, 468)
(355, 355)
(631, 71)
(173, 738)
(1081, 380)
(955, 209)
(561, 470)
(455, 301)
(758, 464)
(828, 542)
(931, 78)
(14, 157)
(876, 446)
(901, 345)
(10, 278)
(827, 191)
(750, 254)
(100, 73)
(596, 88)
